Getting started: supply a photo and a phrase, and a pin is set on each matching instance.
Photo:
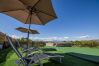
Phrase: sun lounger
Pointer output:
(30, 59)
(24, 49)
(26, 60)
(51, 55)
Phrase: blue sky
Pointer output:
(77, 20)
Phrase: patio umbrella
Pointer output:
(25, 30)
(29, 11)
(2, 37)
(3, 40)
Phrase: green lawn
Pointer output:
(82, 50)
(67, 60)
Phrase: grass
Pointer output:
(67, 60)
(3, 54)
(82, 50)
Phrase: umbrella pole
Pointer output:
(28, 36)
(29, 29)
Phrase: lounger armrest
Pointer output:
(29, 49)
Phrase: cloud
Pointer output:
(85, 36)
(15, 36)
(51, 38)
(66, 37)
(56, 38)
(43, 39)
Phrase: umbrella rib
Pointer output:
(22, 3)
(26, 5)
(39, 18)
(30, 31)
(35, 4)
(47, 13)
(27, 18)
(12, 10)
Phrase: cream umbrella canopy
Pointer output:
(2, 37)
(25, 30)
(29, 11)
(3, 40)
